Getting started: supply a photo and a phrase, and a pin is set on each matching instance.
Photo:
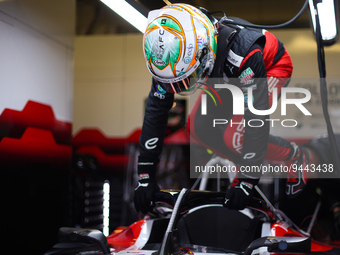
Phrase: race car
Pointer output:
(195, 222)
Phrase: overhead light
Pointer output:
(328, 19)
(128, 12)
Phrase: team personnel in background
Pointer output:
(183, 44)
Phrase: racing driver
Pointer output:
(183, 46)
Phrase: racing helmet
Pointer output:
(179, 44)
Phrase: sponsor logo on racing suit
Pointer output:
(151, 143)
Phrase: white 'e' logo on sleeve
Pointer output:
(151, 143)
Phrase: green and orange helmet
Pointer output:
(179, 44)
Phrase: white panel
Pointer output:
(34, 65)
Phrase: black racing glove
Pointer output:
(144, 195)
(239, 193)
(147, 185)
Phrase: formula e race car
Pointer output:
(195, 222)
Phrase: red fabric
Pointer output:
(35, 145)
(248, 56)
(37, 115)
(276, 153)
(233, 135)
(270, 49)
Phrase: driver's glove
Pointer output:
(144, 194)
(239, 193)
(146, 186)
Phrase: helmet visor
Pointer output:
(185, 84)
(176, 87)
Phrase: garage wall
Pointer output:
(37, 54)
(302, 47)
(111, 83)
(36, 94)
(36, 80)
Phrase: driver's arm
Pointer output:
(255, 139)
(157, 107)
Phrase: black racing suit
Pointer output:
(244, 61)
(158, 105)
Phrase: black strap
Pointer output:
(225, 36)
